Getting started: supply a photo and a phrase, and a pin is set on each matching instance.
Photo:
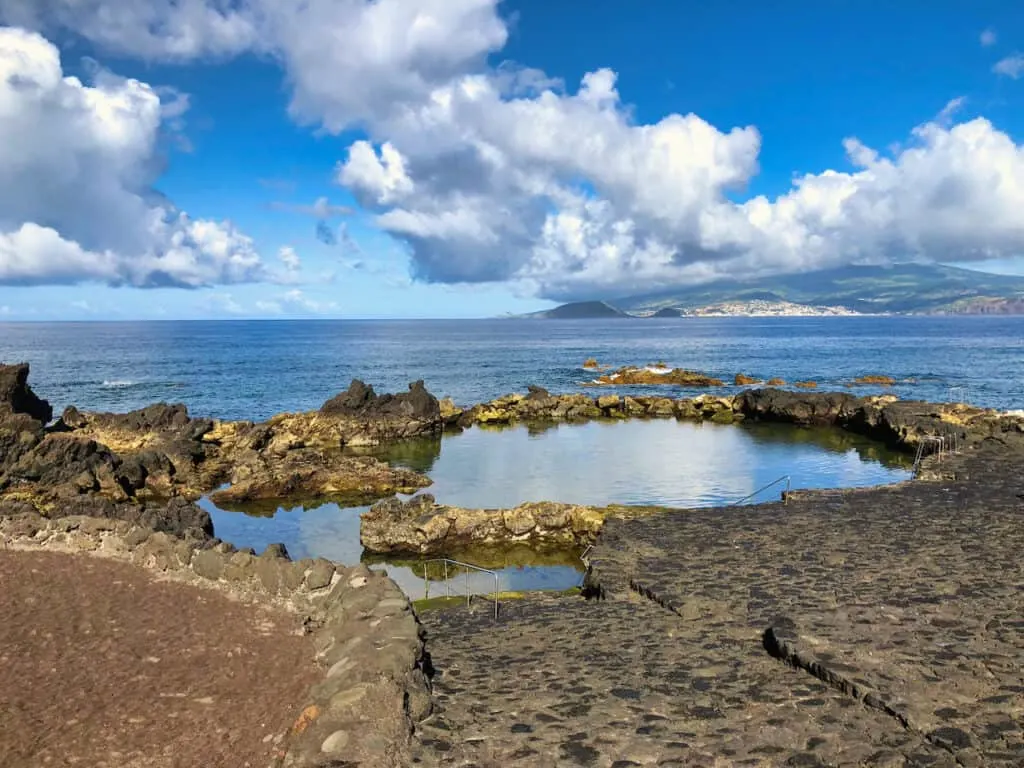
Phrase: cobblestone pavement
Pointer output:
(879, 628)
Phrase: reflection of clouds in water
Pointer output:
(557, 577)
(635, 462)
(332, 532)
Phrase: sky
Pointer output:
(179, 159)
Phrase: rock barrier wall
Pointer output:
(420, 526)
(368, 640)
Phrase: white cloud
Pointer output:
(953, 106)
(987, 37)
(1012, 66)
(289, 258)
(270, 307)
(174, 30)
(75, 164)
(220, 304)
(296, 301)
(503, 174)
(381, 180)
(390, 51)
(5, 310)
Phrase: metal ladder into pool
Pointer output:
(468, 568)
(935, 445)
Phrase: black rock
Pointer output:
(360, 400)
(17, 397)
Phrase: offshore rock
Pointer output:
(361, 400)
(422, 526)
(17, 397)
(884, 381)
(658, 374)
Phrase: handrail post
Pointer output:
(469, 588)
(776, 481)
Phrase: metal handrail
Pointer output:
(586, 564)
(943, 444)
(583, 557)
(448, 589)
(785, 478)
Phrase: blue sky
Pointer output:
(806, 80)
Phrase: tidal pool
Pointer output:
(643, 462)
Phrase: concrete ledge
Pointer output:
(369, 641)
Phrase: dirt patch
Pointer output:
(103, 665)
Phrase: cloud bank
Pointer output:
(502, 174)
(76, 164)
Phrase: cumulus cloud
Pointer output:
(491, 174)
(1012, 66)
(295, 302)
(172, 30)
(289, 258)
(387, 51)
(220, 303)
(76, 166)
(987, 37)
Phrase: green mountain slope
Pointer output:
(901, 288)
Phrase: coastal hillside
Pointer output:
(898, 289)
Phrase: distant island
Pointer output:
(900, 289)
(578, 310)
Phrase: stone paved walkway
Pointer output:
(876, 628)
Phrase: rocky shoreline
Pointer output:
(421, 526)
(765, 585)
(150, 465)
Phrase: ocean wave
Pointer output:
(132, 384)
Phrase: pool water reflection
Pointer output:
(644, 462)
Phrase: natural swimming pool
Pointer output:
(643, 462)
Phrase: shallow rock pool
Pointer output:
(655, 462)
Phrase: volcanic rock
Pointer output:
(17, 397)
(360, 400)
(657, 374)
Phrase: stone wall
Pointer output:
(369, 642)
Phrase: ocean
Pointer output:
(254, 369)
